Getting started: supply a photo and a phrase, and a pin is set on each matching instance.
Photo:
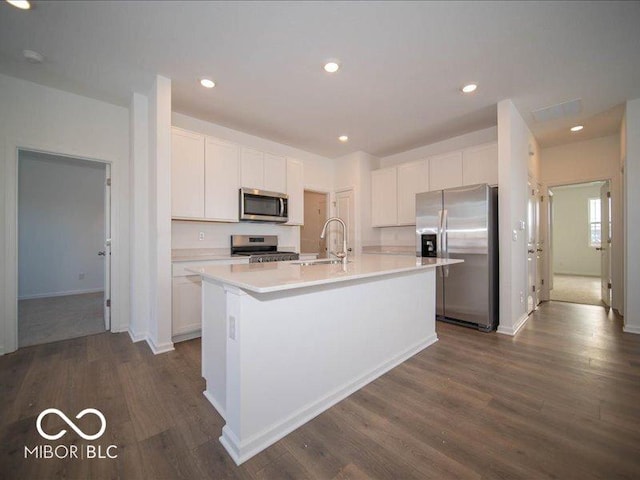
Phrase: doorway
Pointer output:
(63, 248)
(581, 243)
(315, 214)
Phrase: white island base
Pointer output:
(272, 361)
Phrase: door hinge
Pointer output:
(609, 285)
(608, 194)
(108, 182)
(108, 302)
(533, 288)
(541, 198)
(542, 281)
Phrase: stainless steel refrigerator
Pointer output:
(462, 223)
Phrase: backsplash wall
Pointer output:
(185, 234)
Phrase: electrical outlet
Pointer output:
(232, 328)
(201, 236)
(81, 276)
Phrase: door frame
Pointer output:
(548, 236)
(9, 232)
(357, 247)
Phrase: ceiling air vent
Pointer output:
(560, 110)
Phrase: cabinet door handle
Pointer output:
(102, 253)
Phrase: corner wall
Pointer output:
(45, 119)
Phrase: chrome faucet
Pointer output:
(343, 253)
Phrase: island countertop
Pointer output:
(279, 276)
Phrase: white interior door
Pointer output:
(106, 252)
(605, 243)
(539, 245)
(345, 209)
(532, 206)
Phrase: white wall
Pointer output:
(45, 119)
(591, 160)
(354, 171)
(514, 139)
(61, 226)
(478, 137)
(631, 156)
(572, 254)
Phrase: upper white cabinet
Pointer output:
(480, 165)
(275, 173)
(222, 180)
(445, 171)
(393, 190)
(384, 197)
(263, 171)
(413, 178)
(187, 174)
(295, 191)
(204, 177)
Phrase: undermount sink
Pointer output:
(306, 263)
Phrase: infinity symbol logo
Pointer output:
(46, 412)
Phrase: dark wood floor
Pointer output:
(560, 400)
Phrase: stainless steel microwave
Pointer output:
(263, 206)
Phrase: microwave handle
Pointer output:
(281, 207)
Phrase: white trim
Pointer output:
(242, 451)
(158, 349)
(136, 337)
(61, 294)
(512, 331)
(631, 329)
(183, 337)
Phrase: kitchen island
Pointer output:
(284, 341)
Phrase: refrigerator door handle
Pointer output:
(440, 246)
(445, 240)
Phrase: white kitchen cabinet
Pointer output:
(263, 171)
(445, 171)
(275, 173)
(480, 165)
(252, 168)
(222, 180)
(186, 295)
(413, 178)
(295, 191)
(187, 174)
(384, 197)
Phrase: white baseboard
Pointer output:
(183, 337)
(158, 349)
(136, 337)
(631, 329)
(242, 451)
(60, 294)
(515, 328)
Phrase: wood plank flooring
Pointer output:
(559, 400)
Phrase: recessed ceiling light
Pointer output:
(21, 4)
(32, 57)
(331, 67)
(469, 88)
(207, 83)
(577, 128)
(343, 138)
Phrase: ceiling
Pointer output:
(402, 64)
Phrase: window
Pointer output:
(595, 224)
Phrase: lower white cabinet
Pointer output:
(186, 296)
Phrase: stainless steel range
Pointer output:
(259, 248)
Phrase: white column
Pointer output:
(631, 150)
(513, 157)
(139, 265)
(160, 215)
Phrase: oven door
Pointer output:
(262, 206)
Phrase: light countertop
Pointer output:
(279, 276)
